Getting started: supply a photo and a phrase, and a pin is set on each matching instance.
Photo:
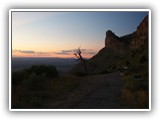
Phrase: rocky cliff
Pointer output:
(117, 44)
(116, 50)
(140, 36)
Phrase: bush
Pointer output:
(35, 82)
(114, 67)
(130, 83)
(127, 63)
(68, 82)
(19, 76)
(135, 99)
(143, 59)
(31, 93)
(49, 70)
(135, 92)
(142, 99)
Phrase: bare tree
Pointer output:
(79, 56)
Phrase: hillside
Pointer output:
(129, 51)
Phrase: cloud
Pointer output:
(62, 52)
(71, 51)
(42, 53)
(28, 51)
(89, 51)
(24, 51)
(67, 51)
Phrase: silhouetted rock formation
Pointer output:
(140, 36)
(115, 43)
(116, 49)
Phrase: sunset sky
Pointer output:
(59, 34)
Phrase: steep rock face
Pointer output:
(115, 43)
(116, 49)
(140, 36)
(110, 38)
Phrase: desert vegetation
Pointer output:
(135, 92)
(33, 87)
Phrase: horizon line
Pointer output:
(44, 57)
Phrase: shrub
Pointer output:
(114, 67)
(127, 96)
(35, 82)
(18, 76)
(127, 63)
(31, 92)
(142, 99)
(131, 84)
(135, 99)
(63, 84)
(143, 59)
(30, 86)
(135, 92)
(49, 70)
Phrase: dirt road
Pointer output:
(106, 94)
(94, 92)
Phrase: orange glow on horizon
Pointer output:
(17, 54)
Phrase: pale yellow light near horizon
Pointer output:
(39, 43)
(51, 32)
(43, 39)
(37, 32)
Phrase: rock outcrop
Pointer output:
(119, 45)
(140, 36)
(116, 49)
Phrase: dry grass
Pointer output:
(36, 91)
(135, 99)
(135, 93)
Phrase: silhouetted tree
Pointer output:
(79, 56)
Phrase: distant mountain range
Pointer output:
(62, 64)
(130, 50)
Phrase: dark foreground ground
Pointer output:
(103, 91)
(95, 92)
(106, 95)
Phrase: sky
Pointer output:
(60, 34)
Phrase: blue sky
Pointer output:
(55, 32)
